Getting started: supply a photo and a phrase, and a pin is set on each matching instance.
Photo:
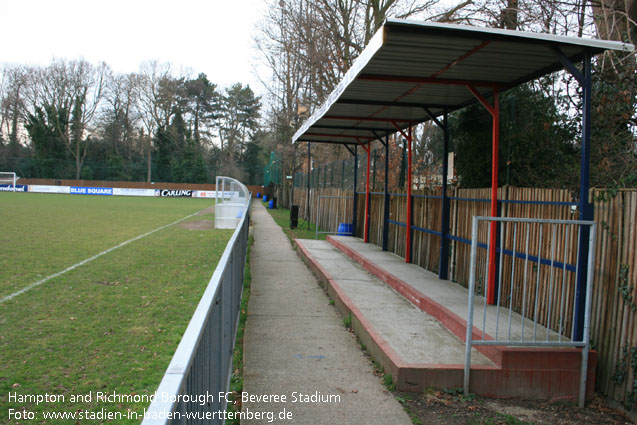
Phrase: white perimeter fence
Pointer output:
(201, 368)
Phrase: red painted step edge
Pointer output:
(512, 358)
(522, 373)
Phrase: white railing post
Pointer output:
(472, 283)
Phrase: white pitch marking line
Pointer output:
(81, 263)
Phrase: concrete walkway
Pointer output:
(296, 346)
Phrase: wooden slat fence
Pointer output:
(613, 319)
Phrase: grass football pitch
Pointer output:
(109, 326)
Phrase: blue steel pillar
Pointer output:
(386, 196)
(355, 212)
(443, 266)
(309, 176)
(585, 207)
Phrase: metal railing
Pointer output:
(535, 306)
(198, 375)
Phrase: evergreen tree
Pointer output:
(163, 144)
(613, 124)
(45, 128)
(203, 105)
(252, 161)
(238, 121)
(536, 148)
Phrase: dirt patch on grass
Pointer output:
(210, 210)
(452, 408)
(197, 225)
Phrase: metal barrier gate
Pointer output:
(535, 306)
(198, 375)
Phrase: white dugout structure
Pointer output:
(231, 202)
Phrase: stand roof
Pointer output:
(410, 66)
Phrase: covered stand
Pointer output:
(415, 71)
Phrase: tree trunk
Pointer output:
(78, 163)
(509, 15)
(613, 19)
(148, 164)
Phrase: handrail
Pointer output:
(558, 298)
(201, 367)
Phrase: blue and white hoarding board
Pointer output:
(38, 188)
(102, 191)
(213, 194)
(121, 191)
(10, 188)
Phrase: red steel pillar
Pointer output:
(409, 206)
(494, 110)
(494, 196)
(366, 221)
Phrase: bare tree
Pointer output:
(308, 46)
(75, 89)
(157, 94)
(12, 104)
(120, 114)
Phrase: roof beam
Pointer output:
(570, 67)
(430, 80)
(350, 150)
(327, 141)
(380, 138)
(434, 118)
(339, 135)
(366, 147)
(387, 103)
(373, 119)
(400, 130)
(483, 100)
(348, 127)
(463, 57)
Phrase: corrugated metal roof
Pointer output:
(411, 65)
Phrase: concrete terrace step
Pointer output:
(416, 336)
(409, 343)
(400, 339)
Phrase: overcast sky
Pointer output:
(210, 36)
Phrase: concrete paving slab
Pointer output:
(448, 294)
(413, 334)
(392, 327)
(295, 343)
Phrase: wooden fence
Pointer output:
(614, 308)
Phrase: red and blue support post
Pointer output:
(386, 197)
(586, 211)
(409, 200)
(494, 110)
(493, 231)
(408, 230)
(355, 207)
(366, 220)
